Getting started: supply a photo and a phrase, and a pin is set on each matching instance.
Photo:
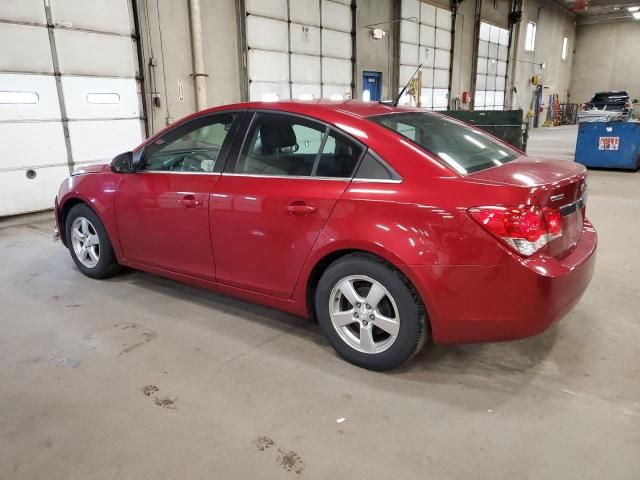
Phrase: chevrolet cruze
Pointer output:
(388, 225)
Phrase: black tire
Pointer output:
(412, 332)
(107, 265)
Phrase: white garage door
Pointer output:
(68, 93)
(299, 49)
(491, 77)
(425, 38)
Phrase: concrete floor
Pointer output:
(142, 378)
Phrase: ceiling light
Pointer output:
(636, 15)
(633, 9)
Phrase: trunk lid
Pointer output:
(550, 183)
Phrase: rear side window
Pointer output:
(463, 148)
(287, 145)
(374, 168)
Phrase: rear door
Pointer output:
(275, 197)
(162, 210)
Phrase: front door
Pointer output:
(162, 210)
(271, 204)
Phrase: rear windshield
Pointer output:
(463, 148)
(611, 97)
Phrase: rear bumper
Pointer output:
(515, 299)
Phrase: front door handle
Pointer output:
(301, 208)
(189, 201)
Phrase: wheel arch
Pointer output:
(323, 262)
(63, 213)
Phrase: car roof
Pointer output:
(612, 92)
(357, 108)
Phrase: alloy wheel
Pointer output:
(364, 314)
(85, 241)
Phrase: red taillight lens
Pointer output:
(526, 229)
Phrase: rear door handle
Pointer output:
(189, 201)
(301, 208)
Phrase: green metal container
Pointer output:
(507, 125)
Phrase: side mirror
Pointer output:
(122, 163)
(635, 100)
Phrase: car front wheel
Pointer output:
(89, 243)
(369, 312)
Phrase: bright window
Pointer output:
(530, 39)
(565, 47)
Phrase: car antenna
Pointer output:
(404, 89)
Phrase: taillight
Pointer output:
(627, 104)
(525, 229)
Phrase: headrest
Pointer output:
(277, 134)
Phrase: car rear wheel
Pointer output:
(89, 243)
(369, 312)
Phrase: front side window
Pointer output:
(286, 145)
(193, 147)
(463, 148)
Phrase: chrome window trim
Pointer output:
(376, 180)
(295, 177)
(169, 172)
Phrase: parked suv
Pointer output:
(616, 104)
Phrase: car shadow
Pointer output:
(498, 367)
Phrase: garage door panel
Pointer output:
(409, 31)
(336, 71)
(305, 91)
(24, 48)
(336, 92)
(267, 34)
(410, 8)
(31, 11)
(440, 78)
(427, 36)
(305, 39)
(409, 54)
(427, 77)
(103, 139)
(32, 144)
(111, 16)
(28, 97)
(98, 54)
(91, 97)
(428, 14)
(268, 90)
(442, 59)
(440, 99)
(305, 69)
(268, 66)
(443, 39)
(443, 19)
(268, 8)
(21, 194)
(305, 11)
(336, 44)
(336, 16)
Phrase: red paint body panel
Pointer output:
(240, 237)
(260, 245)
(163, 221)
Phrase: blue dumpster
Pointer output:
(609, 145)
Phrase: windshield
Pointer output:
(463, 148)
(610, 97)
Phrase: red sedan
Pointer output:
(388, 225)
